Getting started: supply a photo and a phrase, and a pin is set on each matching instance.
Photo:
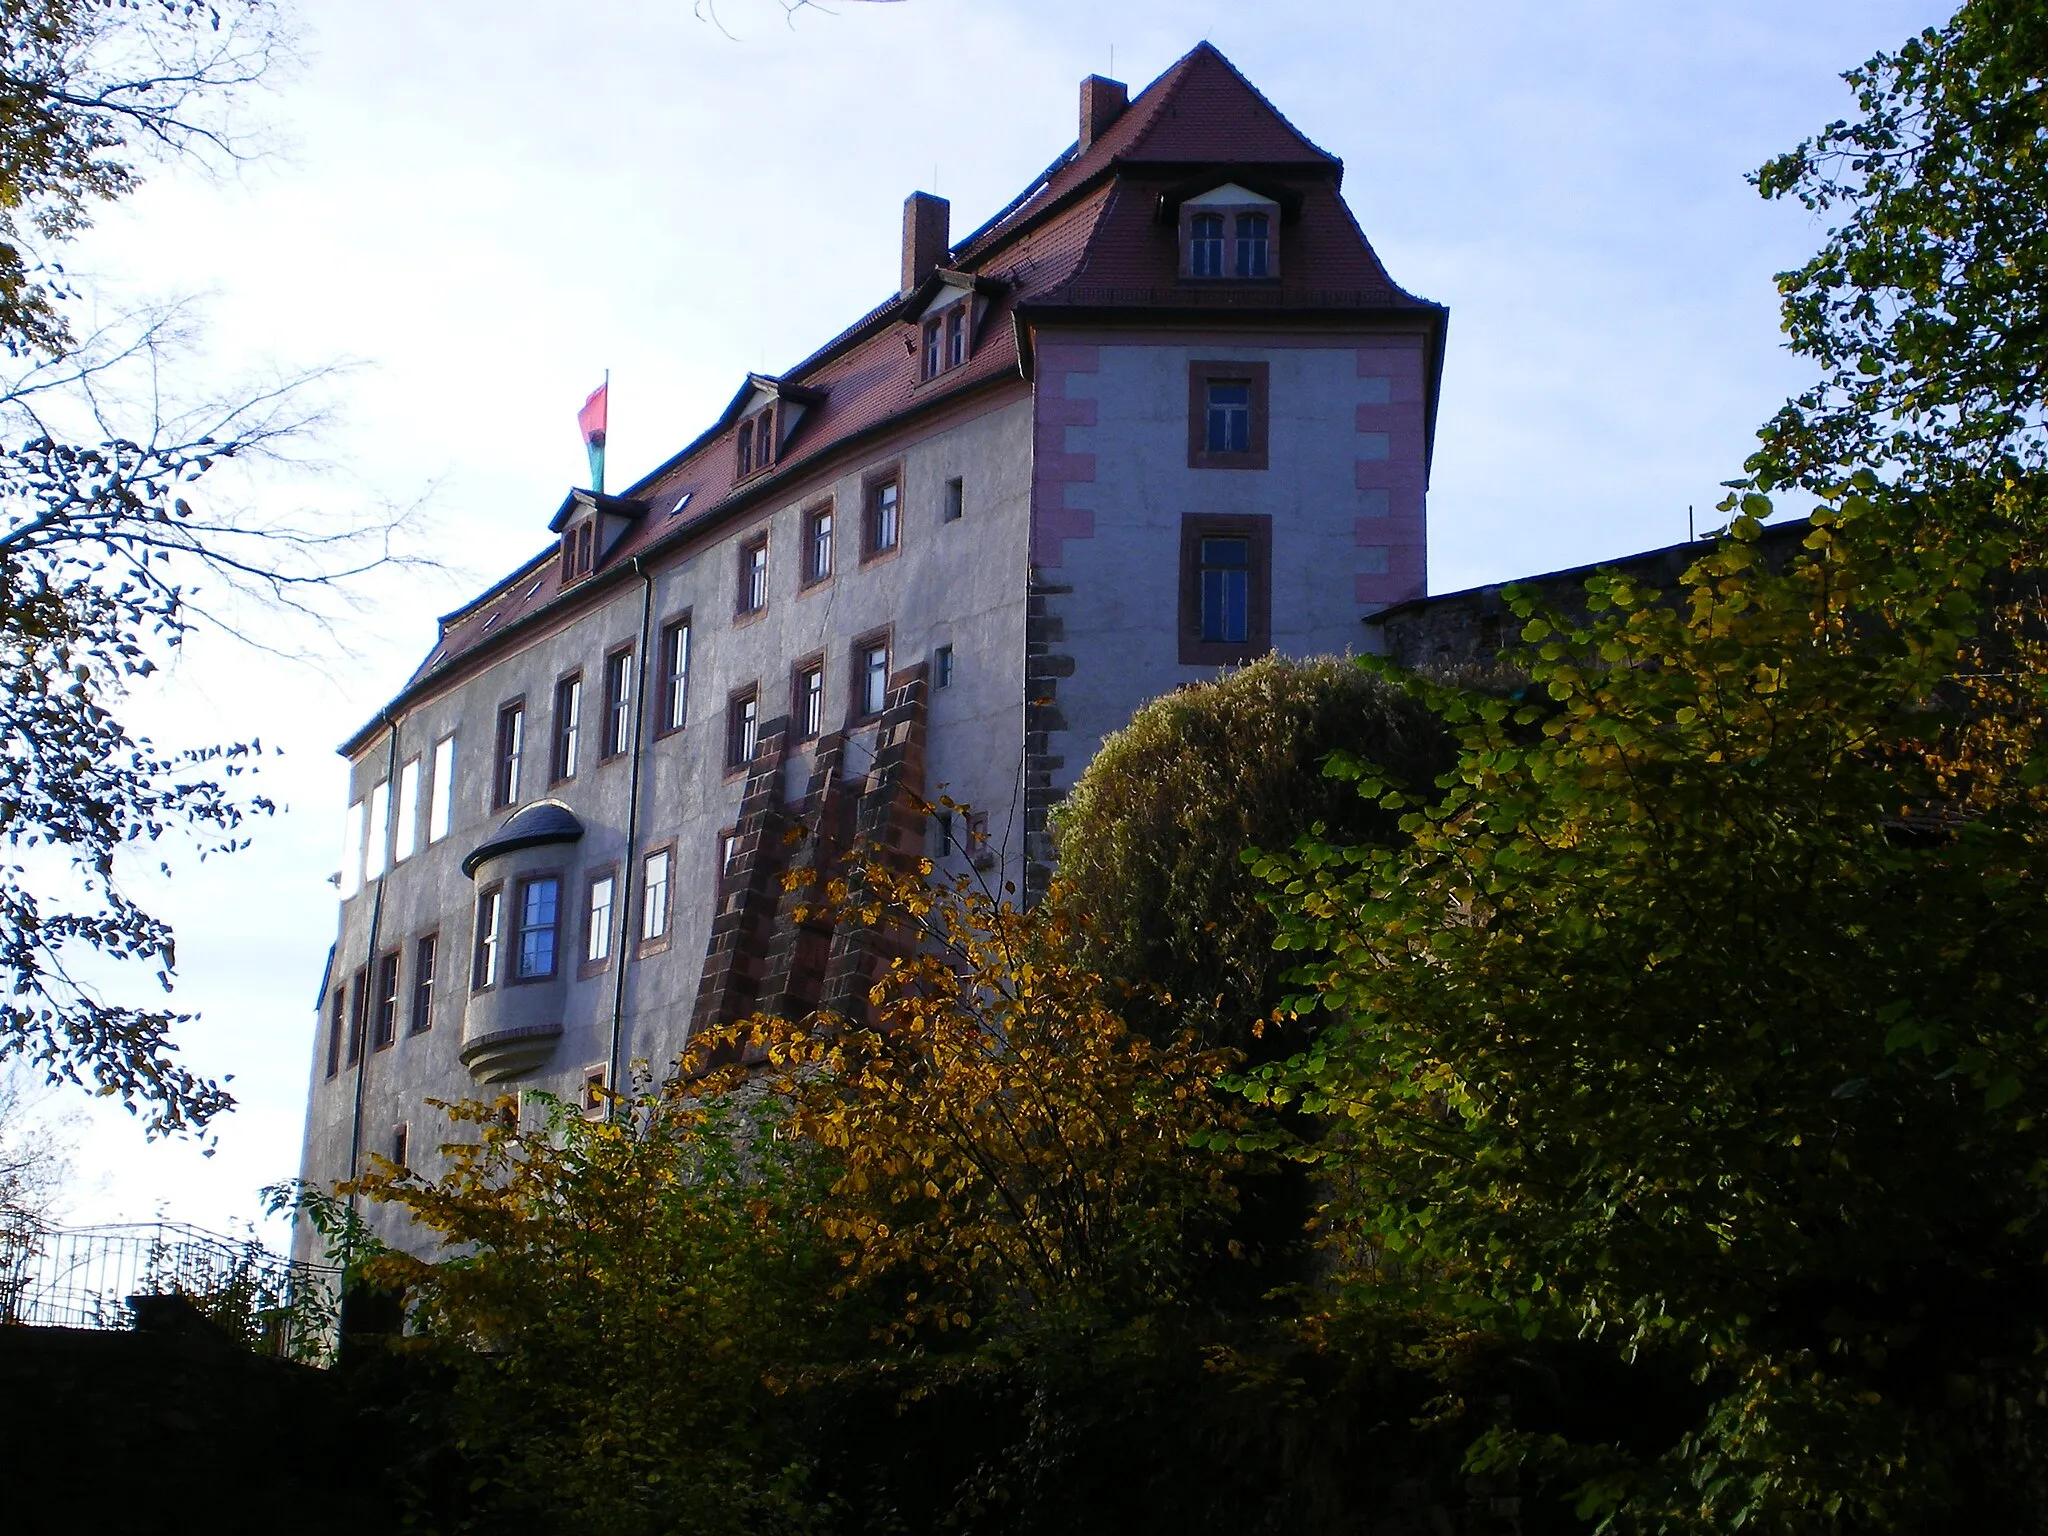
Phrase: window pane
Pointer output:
(882, 518)
(1251, 245)
(490, 912)
(1205, 248)
(654, 897)
(423, 984)
(598, 942)
(511, 748)
(408, 810)
(874, 679)
(675, 682)
(443, 814)
(811, 702)
(538, 905)
(352, 850)
(1229, 428)
(380, 828)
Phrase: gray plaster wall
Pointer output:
(960, 583)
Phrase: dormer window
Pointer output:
(757, 442)
(945, 339)
(579, 550)
(1230, 233)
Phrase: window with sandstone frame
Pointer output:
(1226, 589)
(1228, 412)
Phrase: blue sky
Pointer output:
(481, 205)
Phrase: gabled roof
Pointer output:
(1093, 232)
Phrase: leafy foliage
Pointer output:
(1151, 838)
(616, 1323)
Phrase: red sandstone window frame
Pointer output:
(742, 731)
(744, 605)
(565, 728)
(1203, 373)
(587, 928)
(820, 546)
(872, 547)
(484, 964)
(857, 711)
(646, 944)
(508, 754)
(675, 675)
(1257, 529)
(385, 1034)
(802, 726)
(617, 724)
(426, 966)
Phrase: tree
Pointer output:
(1151, 838)
(105, 529)
(609, 1344)
(1702, 1019)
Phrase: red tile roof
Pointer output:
(1087, 234)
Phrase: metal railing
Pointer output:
(83, 1277)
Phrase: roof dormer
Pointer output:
(589, 526)
(763, 416)
(946, 309)
(1230, 233)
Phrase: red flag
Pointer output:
(594, 414)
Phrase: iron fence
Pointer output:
(85, 1277)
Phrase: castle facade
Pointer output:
(1163, 413)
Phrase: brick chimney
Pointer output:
(1102, 103)
(927, 221)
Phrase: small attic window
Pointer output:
(682, 501)
(756, 447)
(579, 550)
(532, 589)
(945, 340)
(488, 623)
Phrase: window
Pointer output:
(511, 748)
(404, 845)
(956, 500)
(942, 834)
(942, 667)
(442, 817)
(1253, 246)
(337, 1026)
(352, 850)
(817, 546)
(425, 954)
(728, 853)
(568, 727)
(1205, 245)
(597, 918)
(764, 438)
(1227, 415)
(754, 575)
(387, 1001)
(883, 527)
(618, 703)
(934, 347)
(675, 674)
(586, 548)
(1225, 569)
(358, 1013)
(808, 705)
(540, 902)
(742, 728)
(871, 675)
(380, 830)
(1227, 424)
(654, 894)
(1225, 589)
(593, 1092)
(746, 449)
(401, 1143)
(490, 922)
(956, 334)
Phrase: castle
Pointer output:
(1164, 412)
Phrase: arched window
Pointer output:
(746, 449)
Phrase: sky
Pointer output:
(472, 209)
